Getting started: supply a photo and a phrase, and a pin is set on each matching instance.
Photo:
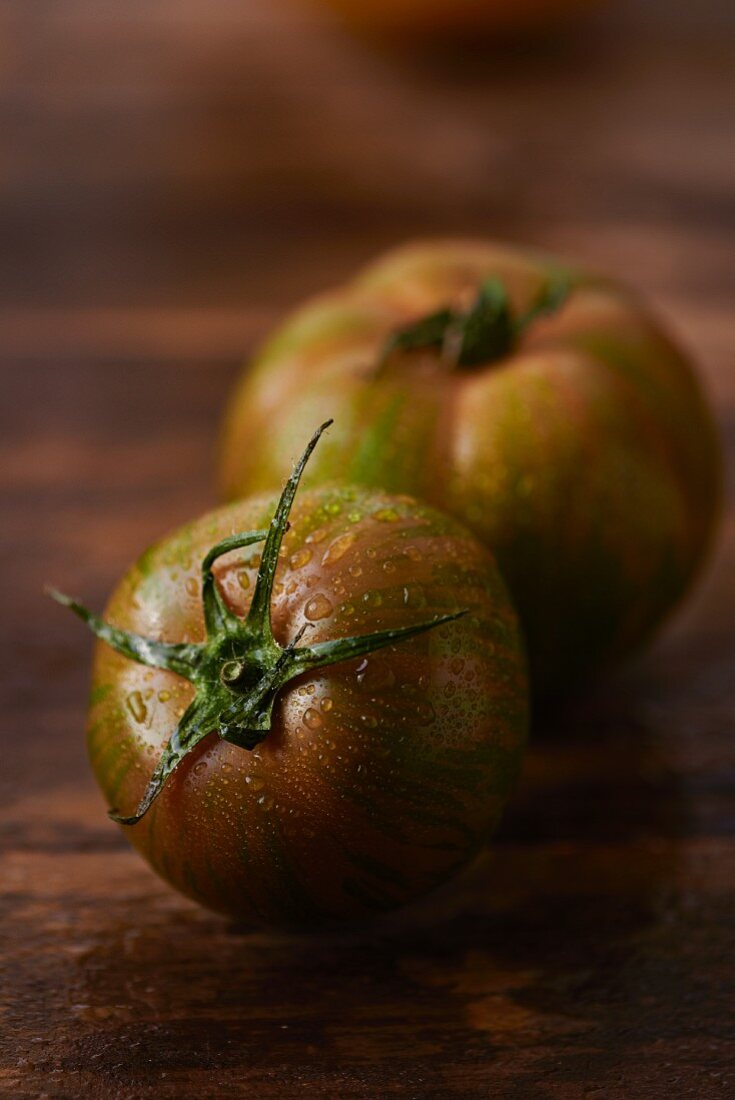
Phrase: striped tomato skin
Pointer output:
(586, 458)
(381, 777)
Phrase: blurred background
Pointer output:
(231, 154)
(175, 174)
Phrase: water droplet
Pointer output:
(164, 696)
(312, 719)
(326, 704)
(414, 596)
(369, 720)
(338, 548)
(413, 553)
(389, 566)
(354, 517)
(375, 675)
(226, 767)
(265, 802)
(192, 586)
(137, 707)
(243, 579)
(291, 588)
(255, 782)
(355, 570)
(318, 535)
(374, 599)
(386, 515)
(317, 608)
(301, 557)
(199, 768)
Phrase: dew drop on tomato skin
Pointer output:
(312, 719)
(372, 599)
(318, 607)
(317, 535)
(301, 557)
(136, 706)
(338, 548)
(375, 675)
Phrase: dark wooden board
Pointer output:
(175, 174)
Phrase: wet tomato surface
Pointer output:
(378, 776)
(539, 404)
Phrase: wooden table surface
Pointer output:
(175, 174)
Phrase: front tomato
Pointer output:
(538, 404)
(294, 789)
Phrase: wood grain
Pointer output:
(176, 174)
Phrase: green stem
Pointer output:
(217, 615)
(482, 334)
(240, 669)
(184, 660)
(259, 615)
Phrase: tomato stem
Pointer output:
(484, 333)
(184, 660)
(217, 615)
(258, 621)
(240, 668)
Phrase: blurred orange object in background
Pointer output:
(458, 18)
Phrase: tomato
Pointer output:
(320, 728)
(537, 403)
(430, 18)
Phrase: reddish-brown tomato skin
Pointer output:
(380, 777)
(587, 459)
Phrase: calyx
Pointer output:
(483, 333)
(240, 668)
